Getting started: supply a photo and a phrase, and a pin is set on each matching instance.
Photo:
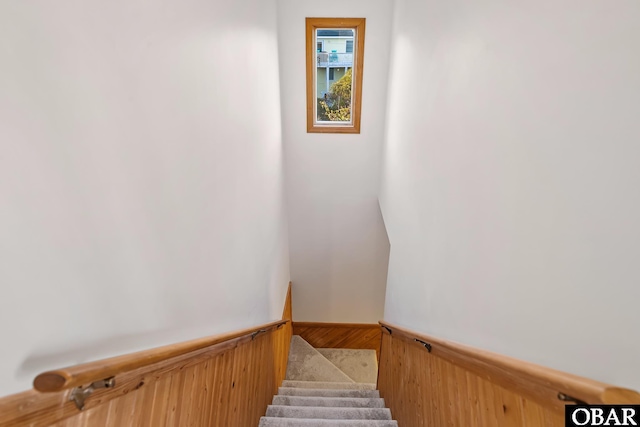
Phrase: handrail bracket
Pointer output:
(425, 344)
(567, 398)
(79, 395)
(255, 334)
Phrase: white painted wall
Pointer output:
(141, 187)
(339, 247)
(510, 183)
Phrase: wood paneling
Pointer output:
(282, 348)
(288, 309)
(458, 386)
(226, 384)
(78, 375)
(340, 335)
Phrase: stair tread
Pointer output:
(328, 385)
(308, 364)
(328, 412)
(304, 422)
(335, 402)
(326, 392)
(359, 365)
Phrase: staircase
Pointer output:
(328, 387)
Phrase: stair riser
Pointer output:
(291, 391)
(329, 413)
(333, 402)
(329, 385)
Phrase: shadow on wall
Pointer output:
(339, 261)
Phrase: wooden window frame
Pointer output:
(313, 24)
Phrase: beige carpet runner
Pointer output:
(328, 387)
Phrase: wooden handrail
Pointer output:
(78, 375)
(518, 374)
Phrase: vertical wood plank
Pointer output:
(217, 411)
(425, 390)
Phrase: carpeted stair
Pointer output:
(328, 387)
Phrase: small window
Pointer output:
(334, 74)
(349, 46)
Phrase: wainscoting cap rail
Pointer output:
(514, 373)
(78, 375)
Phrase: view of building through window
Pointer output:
(334, 56)
(334, 74)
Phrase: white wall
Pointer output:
(510, 183)
(339, 247)
(141, 188)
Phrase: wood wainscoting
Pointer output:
(226, 384)
(340, 335)
(427, 381)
